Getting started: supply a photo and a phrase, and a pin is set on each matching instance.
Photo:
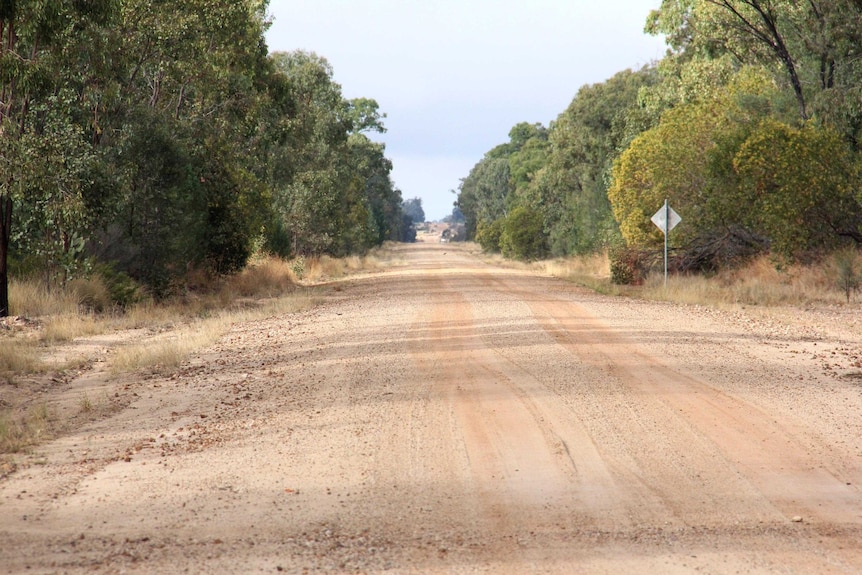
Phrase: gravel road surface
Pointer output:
(448, 416)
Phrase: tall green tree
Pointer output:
(498, 182)
(315, 174)
(571, 190)
(815, 46)
(38, 44)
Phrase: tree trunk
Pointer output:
(5, 232)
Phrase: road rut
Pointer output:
(450, 416)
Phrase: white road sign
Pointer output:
(666, 215)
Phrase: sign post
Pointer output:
(666, 219)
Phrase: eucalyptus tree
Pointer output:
(498, 182)
(180, 131)
(571, 189)
(314, 175)
(483, 193)
(381, 197)
(46, 56)
(815, 47)
(745, 180)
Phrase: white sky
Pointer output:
(454, 76)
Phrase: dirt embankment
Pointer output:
(447, 416)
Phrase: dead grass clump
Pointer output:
(66, 327)
(592, 266)
(91, 294)
(267, 277)
(323, 268)
(758, 283)
(16, 357)
(20, 430)
(32, 299)
(166, 352)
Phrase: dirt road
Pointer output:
(447, 416)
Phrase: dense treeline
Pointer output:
(146, 139)
(750, 126)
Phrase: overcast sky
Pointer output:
(454, 76)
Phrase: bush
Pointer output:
(91, 293)
(629, 266)
(523, 236)
(488, 235)
(122, 289)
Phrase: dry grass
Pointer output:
(592, 271)
(325, 268)
(759, 283)
(32, 299)
(20, 430)
(66, 327)
(16, 357)
(269, 277)
(166, 352)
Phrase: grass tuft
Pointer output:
(18, 431)
(16, 357)
(167, 352)
(269, 277)
(66, 327)
(759, 283)
(31, 298)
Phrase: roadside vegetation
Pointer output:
(834, 280)
(751, 127)
(144, 146)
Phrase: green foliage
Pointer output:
(484, 192)
(488, 235)
(523, 235)
(162, 138)
(571, 189)
(802, 184)
(122, 289)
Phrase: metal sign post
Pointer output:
(666, 219)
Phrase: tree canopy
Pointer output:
(156, 138)
(750, 125)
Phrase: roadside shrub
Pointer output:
(628, 266)
(523, 236)
(488, 235)
(91, 293)
(122, 289)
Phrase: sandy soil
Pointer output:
(447, 416)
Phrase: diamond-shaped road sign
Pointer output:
(666, 219)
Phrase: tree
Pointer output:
(413, 209)
(315, 174)
(162, 137)
(743, 181)
(803, 187)
(816, 44)
(571, 188)
(483, 193)
(37, 41)
(382, 197)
